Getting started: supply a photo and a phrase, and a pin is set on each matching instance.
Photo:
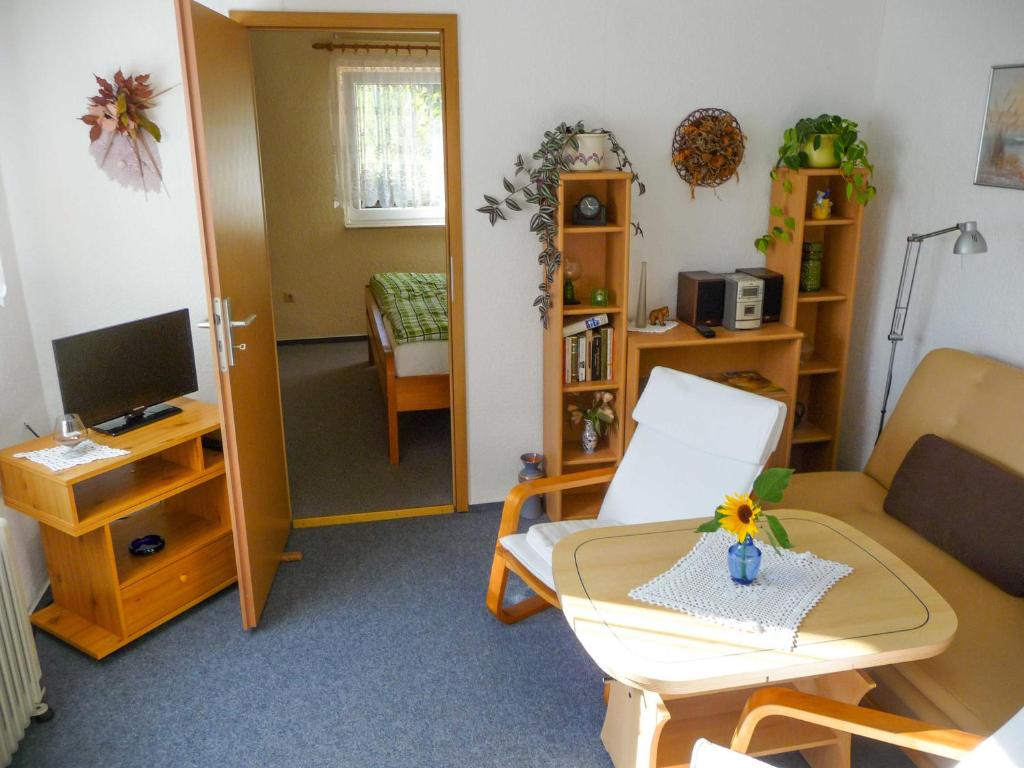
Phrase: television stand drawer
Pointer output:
(164, 593)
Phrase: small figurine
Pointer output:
(822, 208)
(658, 316)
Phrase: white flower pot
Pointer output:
(590, 156)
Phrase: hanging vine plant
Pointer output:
(537, 185)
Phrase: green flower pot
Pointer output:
(825, 155)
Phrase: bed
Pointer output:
(407, 336)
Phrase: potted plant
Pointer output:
(826, 141)
(595, 419)
(538, 185)
(586, 151)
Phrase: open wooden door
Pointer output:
(219, 95)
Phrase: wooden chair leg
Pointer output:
(392, 426)
(496, 596)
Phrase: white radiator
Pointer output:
(21, 695)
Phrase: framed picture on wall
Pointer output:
(1001, 156)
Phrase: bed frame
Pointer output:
(402, 393)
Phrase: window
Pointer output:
(392, 150)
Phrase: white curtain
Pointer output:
(390, 148)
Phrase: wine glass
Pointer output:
(69, 430)
(573, 270)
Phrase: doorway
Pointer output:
(352, 146)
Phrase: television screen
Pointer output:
(124, 368)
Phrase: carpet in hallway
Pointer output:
(336, 436)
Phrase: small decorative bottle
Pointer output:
(822, 207)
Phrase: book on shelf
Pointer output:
(609, 345)
(587, 324)
(749, 381)
(588, 355)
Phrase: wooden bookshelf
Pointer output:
(824, 316)
(773, 350)
(603, 253)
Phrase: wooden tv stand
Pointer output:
(170, 484)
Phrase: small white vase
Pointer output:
(589, 439)
(590, 156)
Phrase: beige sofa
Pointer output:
(978, 404)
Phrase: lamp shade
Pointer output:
(970, 241)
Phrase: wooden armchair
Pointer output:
(1004, 749)
(696, 441)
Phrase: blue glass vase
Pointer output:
(744, 561)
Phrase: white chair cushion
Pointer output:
(535, 549)
(711, 417)
(696, 441)
(662, 479)
(708, 755)
(1003, 749)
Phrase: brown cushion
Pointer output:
(964, 505)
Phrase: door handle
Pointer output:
(223, 326)
(243, 323)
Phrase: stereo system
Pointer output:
(771, 311)
(740, 301)
(744, 298)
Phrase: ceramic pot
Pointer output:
(590, 156)
(825, 155)
(533, 507)
(744, 561)
(589, 439)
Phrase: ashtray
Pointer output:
(147, 545)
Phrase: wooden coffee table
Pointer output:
(677, 678)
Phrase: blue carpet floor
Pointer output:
(375, 651)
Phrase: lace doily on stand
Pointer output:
(788, 586)
(63, 457)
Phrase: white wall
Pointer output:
(933, 76)
(637, 68)
(91, 252)
(20, 401)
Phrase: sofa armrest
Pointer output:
(515, 498)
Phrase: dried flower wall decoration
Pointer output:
(707, 148)
(123, 140)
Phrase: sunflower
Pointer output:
(739, 514)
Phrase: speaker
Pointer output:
(772, 309)
(701, 298)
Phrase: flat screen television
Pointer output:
(117, 378)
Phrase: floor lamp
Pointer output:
(969, 242)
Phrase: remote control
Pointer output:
(706, 331)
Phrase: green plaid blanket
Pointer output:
(416, 303)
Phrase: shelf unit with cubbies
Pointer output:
(603, 255)
(171, 483)
(773, 350)
(824, 316)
